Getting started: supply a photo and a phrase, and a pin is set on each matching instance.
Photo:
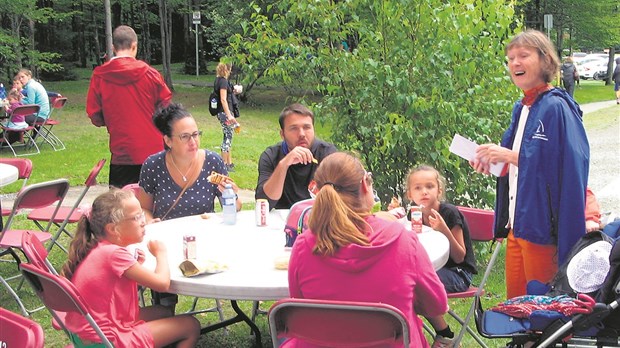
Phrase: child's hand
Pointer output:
(156, 247)
(140, 256)
(394, 203)
(437, 222)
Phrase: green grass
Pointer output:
(87, 144)
(590, 91)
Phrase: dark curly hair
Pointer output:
(165, 116)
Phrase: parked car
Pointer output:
(601, 74)
(588, 66)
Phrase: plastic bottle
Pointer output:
(229, 206)
(2, 91)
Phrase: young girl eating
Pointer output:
(425, 188)
(14, 99)
(107, 274)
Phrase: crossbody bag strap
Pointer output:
(189, 182)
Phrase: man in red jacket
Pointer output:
(123, 95)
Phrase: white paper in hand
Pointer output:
(466, 149)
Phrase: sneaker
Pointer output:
(230, 167)
(443, 342)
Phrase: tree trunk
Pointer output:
(108, 29)
(148, 52)
(164, 19)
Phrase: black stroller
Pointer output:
(598, 326)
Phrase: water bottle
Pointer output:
(2, 91)
(213, 103)
(229, 205)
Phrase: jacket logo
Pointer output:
(540, 132)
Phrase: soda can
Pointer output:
(261, 212)
(416, 219)
(189, 247)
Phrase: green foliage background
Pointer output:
(418, 72)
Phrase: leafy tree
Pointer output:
(419, 72)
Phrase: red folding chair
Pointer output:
(338, 323)
(60, 296)
(65, 215)
(44, 129)
(24, 168)
(35, 252)
(27, 141)
(480, 223)
(30, 197)
(18, 331)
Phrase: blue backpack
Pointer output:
(297, 220)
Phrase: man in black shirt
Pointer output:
(286, 169)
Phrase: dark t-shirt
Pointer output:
(298, 176)
(222, 83)
(452, 216)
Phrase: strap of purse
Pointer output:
(189, 182)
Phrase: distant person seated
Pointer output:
(35, 94)
(16, 121)
(593, 212)
(350, 254)
(286, 169)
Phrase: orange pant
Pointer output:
(527, 261)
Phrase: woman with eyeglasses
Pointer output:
(350, 254)
(175, 181)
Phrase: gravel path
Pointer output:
(605, 160)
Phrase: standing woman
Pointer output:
(35, 93)
(569, 71)
(540, 202)
(226, 116)
(349, 254)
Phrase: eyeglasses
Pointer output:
(186, 136)
(370, 181)
(137, 218)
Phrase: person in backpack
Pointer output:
(226, 114)
(569, 71)
(350, 254)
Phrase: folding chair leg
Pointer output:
(17, 299)
(470, 314)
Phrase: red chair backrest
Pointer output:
(59, 102)
(56, 292)
(18, 331)
(24, 166)
(338, 323)
(25, 110)
(92, 177)
(132, 187)
(480, 223)
(38, 196)
(34, 250)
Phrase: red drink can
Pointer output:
(189, 247)
(261, 212)
(416, 219)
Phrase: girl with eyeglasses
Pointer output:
(175, 181)
(106, 274)
(350, 254)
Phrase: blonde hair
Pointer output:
(15, 94)
(223, 70)
(337, 216)
(107, 208)
(441, 181)
(546, 51)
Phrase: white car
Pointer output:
(587, 67)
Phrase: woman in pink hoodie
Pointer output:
(349, 254)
